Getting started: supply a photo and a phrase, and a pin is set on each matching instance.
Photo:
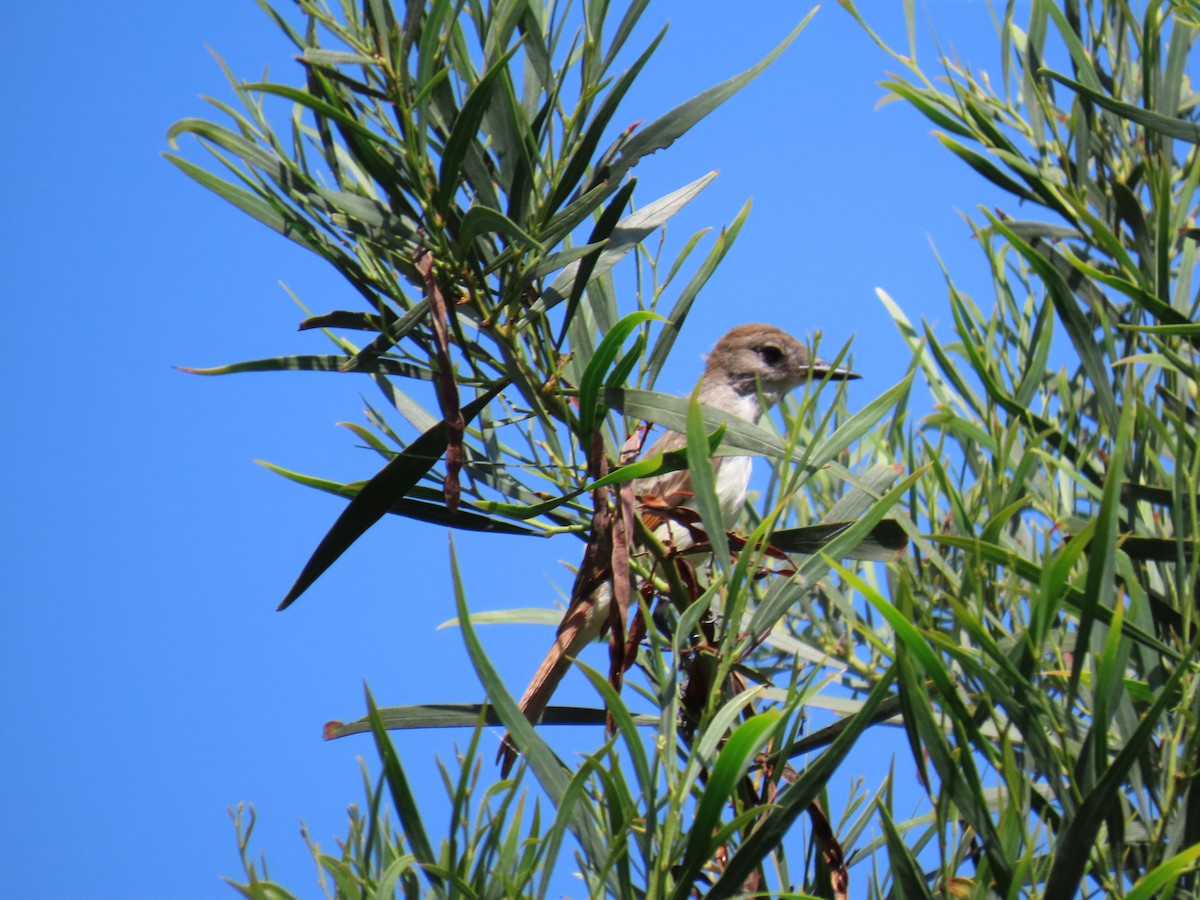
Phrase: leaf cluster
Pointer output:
(1044, 630)
(1037, 644)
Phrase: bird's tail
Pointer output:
(583, 623)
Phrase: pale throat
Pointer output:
(724, 396)
(733, 472)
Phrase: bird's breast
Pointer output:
(733, 481)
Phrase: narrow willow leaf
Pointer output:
(1035, 371)
(886, 541)
(554, 261)
(858, 425)
(1079, 329)
(575, 213)
(626, 724)
(1072, 597)
(1131, 289)
(664, 131)
(731, 766)
(1076, 841)
(341, 318)
(551, 774)
(908, 878)
(916, 643)
(865, 491)
(321, 57)
(626, 364)
(467, 715)
(322, 107)
(1101, 588)
(1148, 549)
(249, 152)
(531, 615)
(985, 167)
(1188, 330)
(481, 220)
(796, 797)
(598, 366)
(378, 496)
(683, 304)
(265, 211)
(658, 464)
(402, 796)
(704, 483)
(671, 412)
(367, 211)
(784, 594)
(321, 363)
(606, 224)
(626, 236)
(1168, 126)
(391, 335)
(585, 149)
(1150, 884)
(464, 518)
(465, 132)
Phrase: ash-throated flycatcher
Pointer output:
(748, 371)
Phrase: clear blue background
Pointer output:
(147, 682)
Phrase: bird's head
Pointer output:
(764, 358)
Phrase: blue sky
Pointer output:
(148, 682)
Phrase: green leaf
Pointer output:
(704, 483)
(481, 220)
(1030, 572)
(528, 615)
(316, 363)
(626, 236)
(268, 212)
(378, 496)
(1075, 842)
(886, 541)
(467, 715)
(551, 774)
(249, 152)
(585, 148)
(671, 412)
(626, 724)
(930, 104)
(916, 646)
(606, 224)
(784, 594)
(683, 304)
(797, 796)
(1149, 885)
(1079, 329)
(1100, 590)
(402, 796)
(593, 376)
(323, 108)
(664, 131)
(731, 766)
(909, 880)
(1168, 126)
(985, 167)
(465, 132)
(464, 518)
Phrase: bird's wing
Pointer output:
(662, 497)
(661, 494)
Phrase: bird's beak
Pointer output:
(821, 369)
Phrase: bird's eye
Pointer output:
(770, 354)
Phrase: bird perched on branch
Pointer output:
(751, 368)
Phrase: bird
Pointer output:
(749, 370)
